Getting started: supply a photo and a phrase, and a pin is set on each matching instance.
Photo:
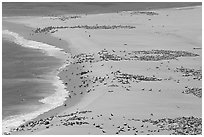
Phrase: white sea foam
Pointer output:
(50, 102)
(49, 49)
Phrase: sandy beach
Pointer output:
(129, 72)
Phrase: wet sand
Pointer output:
(138, 77)
(66, 73)
(31, 82)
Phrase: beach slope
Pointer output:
(137, 72)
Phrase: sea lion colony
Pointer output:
(175, 126)
(53, 29)
(195, 91)
(64, 18)
(197, 74)
(114, 79)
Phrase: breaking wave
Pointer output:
(50, 102)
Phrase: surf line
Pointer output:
(55, 100)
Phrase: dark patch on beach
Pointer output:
(195, 91)
(79, 81)
(188, 72)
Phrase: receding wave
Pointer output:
(50, 102)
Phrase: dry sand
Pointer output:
(119, 110)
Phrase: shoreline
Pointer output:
(128, 78)
(69, 102)
(58, 78)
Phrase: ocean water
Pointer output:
(30, 85)
(48, 8)
(29, 68)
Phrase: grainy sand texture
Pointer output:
(128, 72)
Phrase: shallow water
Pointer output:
(30, 85)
